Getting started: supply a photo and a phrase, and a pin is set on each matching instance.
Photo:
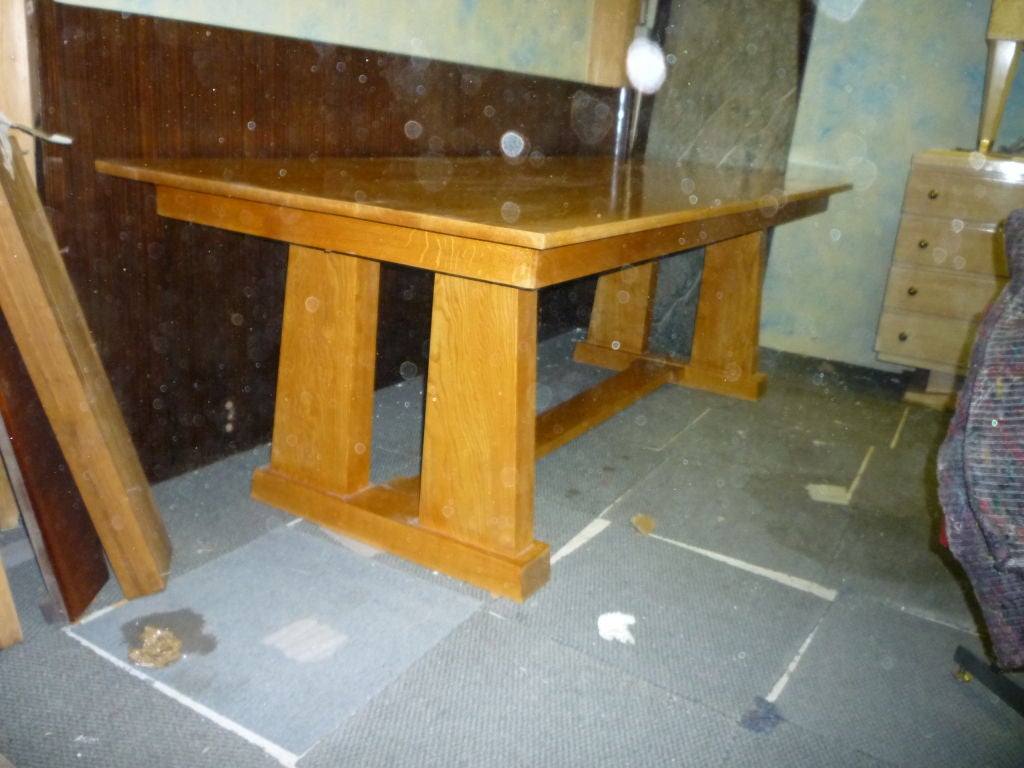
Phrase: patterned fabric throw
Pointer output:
(981, 463)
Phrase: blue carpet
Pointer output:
(284, 638)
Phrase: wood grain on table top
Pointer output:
(532, 202)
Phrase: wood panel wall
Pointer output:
(187, 319)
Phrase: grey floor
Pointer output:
(790, 606)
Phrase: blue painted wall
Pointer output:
(885, 79)
(544, 37)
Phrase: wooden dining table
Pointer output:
(493, 231)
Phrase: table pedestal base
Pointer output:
(388, 516)
(385, 516)
(470, 514)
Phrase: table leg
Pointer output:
(323, 417)
(623, 305)
(470, 514)
(477, 482)
(724, 355)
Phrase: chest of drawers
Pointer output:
(948, 263)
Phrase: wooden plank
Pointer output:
(52, 605)
(387, 242)
(41, 307)
(570, 419)
(10, 628)
(323, 420)
(9, 513)
(68, 551)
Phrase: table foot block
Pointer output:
(606, 357)
(685, 372)
(385, 516)
(722, 382)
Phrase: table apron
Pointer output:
(407, 246)
(468, 257)
(569, 262)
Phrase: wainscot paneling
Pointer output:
(187, 319)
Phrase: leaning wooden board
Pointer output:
(8, 505)
(68, 551)
(46, 320)
(10, 628)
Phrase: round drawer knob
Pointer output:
(922, 244)
(911, 291)
(903, 336)
(932, 194)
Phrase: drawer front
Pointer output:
(940, 292)
(925, 341)
(945, 244)
(960, 196)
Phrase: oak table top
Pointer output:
(526, 215)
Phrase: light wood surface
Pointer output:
(1006, 20)
(67, 550)
(15, 71)
(948, 262)
(536, 203)
(931, 291)
(950, 243)
(45, 318)
(323, 415)
(493, 230)
(8, 506)
(724, 353)
(725, 339)
(1004, 35)
(962, 196)
(478, 485)
(623, 306)
(580, 414)
(613, 28)
(386, 518)
(10, 627)
(934, 343)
